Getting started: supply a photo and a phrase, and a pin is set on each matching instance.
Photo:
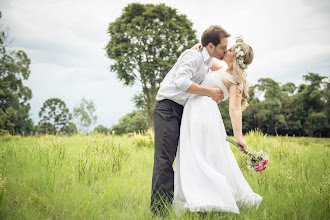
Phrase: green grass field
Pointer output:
(109, 177)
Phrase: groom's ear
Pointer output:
(210, 46)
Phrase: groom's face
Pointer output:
(221, 49)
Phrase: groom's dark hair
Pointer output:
(213, 34)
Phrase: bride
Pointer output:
(207, 176)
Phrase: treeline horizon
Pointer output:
(275, 109)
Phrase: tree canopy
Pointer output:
(131, 122)
(102, 130)
(145, 42)
(54, 116)
(14, 96)
(286, 109)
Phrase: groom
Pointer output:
(182, 80)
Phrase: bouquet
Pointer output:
(257, 161)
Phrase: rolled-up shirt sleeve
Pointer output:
(190, 63)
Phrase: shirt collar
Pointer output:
(207, 57)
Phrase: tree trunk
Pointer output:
(151, 120)
(152, 104)
(150, 112)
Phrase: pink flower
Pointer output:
(262, 168)
(264, 161)
(259, 166)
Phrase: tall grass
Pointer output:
(143, 139)
(109, 177)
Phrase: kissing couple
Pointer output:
(189, 129)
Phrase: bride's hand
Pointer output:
(241, 142)
(197, 47)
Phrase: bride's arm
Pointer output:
(235, 112)
(216, 63)
(197, 47)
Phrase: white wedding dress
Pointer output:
(207, 176)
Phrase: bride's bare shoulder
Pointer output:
(216, 64)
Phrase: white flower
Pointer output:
(239, 52)
(239, 39)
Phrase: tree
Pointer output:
(270, 116)
(6, 121)
(311, 106)
(286, 109)
(101, 129)
(145, 42)
(84, 115)
(71, 129)
(289, 88)
(54, 113)
(46, 128)
(131, 122)
(327, 108)
(14, 96)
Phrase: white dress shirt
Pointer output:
(190, 67)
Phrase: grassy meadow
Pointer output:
(109, 177)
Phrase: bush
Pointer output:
(101, 129)
(132, 122)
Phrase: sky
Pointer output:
(65, 40)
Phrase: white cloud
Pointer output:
(65, 41)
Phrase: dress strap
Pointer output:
(229, 77)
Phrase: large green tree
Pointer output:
(145, 42)
(54, 116)
(14, 96)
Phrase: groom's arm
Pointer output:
(189, 65)
(215, 93)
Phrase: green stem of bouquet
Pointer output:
(237, 145)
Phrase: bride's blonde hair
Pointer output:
(240, 74)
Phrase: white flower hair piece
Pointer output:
(239, 52)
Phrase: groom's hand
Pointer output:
(216, 94)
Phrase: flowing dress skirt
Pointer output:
(207, 176)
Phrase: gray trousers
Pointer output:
(167, 121)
